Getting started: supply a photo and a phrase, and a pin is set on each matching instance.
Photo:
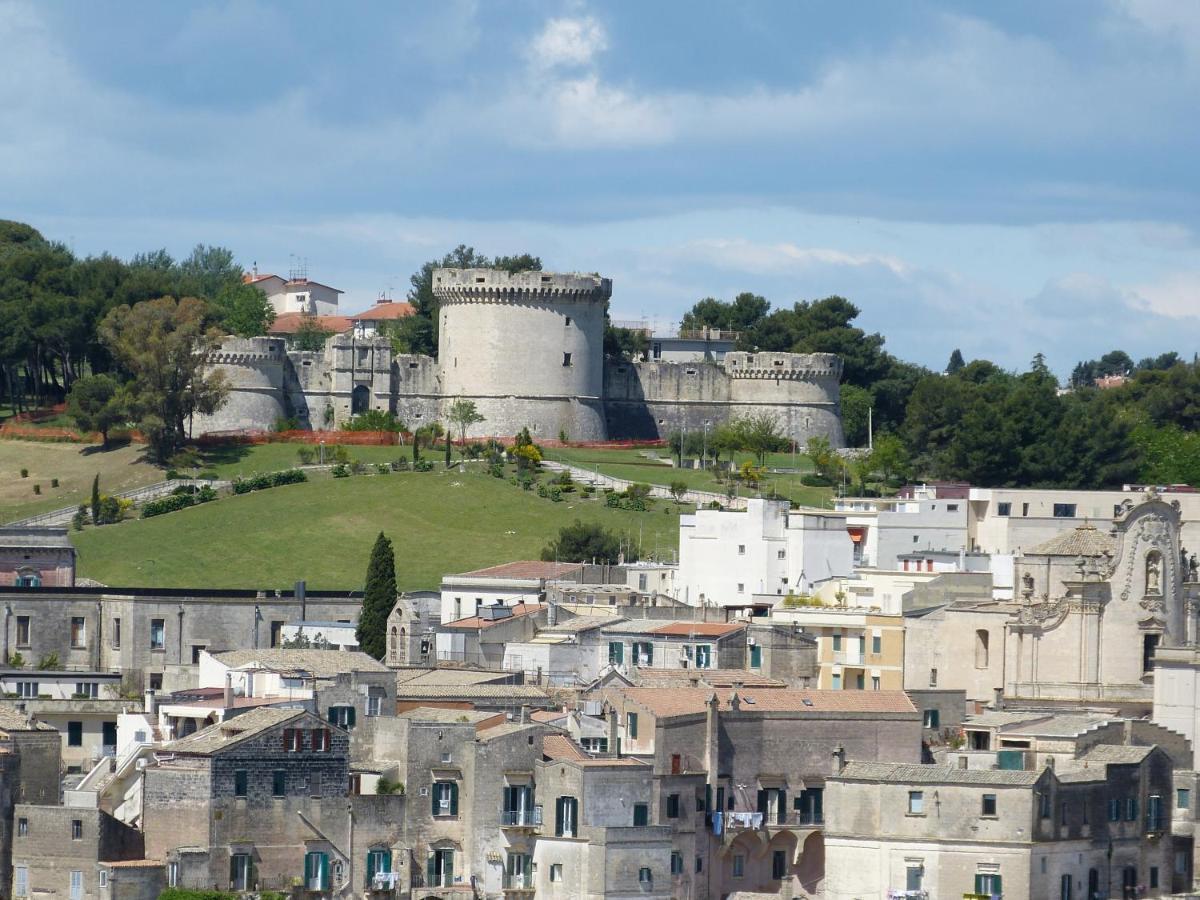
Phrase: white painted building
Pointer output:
(755, 557)
(296, 295)
(509, 584)
(885, 528)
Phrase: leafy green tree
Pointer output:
(310, 335)
(164, 345)
(243, 309)
(822, 456)
(759, 434)
(523, 262)
(464, 414)
(889, 456)
(742, 314)
(98, 403)
(678, 489)
(379, 597)
(587, 542)
(373, 420)
(956, 362)
(207, 272)
(625, 343)
(856, 405)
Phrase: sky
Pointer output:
(1006, 179)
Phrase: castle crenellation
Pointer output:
(528, 349)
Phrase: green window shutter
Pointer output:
(351, 712)
(756, 657)
(453, 798)
(631, 722)
(616, 653)
(762, 803)
(558, 817)
(783, 807)
(434, 792)
(998, 887)
(387, 861)
(232, 870)
(370, 865)
(449, 867)
(324, 857)
(979, 884)
(431, 871)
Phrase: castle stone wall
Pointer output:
(254, 370)
(528, 348)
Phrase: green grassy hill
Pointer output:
(322, 531)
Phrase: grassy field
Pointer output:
(74, 466)
(652, 467)
(322, 532)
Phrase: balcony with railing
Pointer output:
(518, 883)
(808, 818)
(530, 817)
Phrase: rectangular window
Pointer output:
(1183, 798)
(756, 657)
(810, 806)
(21, 881)
(643, 655)
(279, 783)
(77, 829)
(556, 872)
(876, 644)
(445, 798)
(22, 827)
(837, 642)
(779, 864)
(293, 740)
(988, 883)
(1153, 877)
(874, 682)
(741, 549)
(645, 876)
(677, 863)
(158, 634)
(703, 656)
(1131, 809)
(933, 718)
(89, 689)
(699, 864)
(616, 653)
(74, 734)
(342, 716)
(116, 634)
(566, 359)
(22, 631)
(374, 706)
(641, 814)
(1004, 509)
(240, 783)
(1114, 810)
(933, 677)
(1064, 510)
(103, 878)
(672, 806)
(916, 803)
(988, 806)
(631, 726)
(1045, 809)
(78, 633)
(566, 816)
(320, 740)
(739, 865)
(76, 885)
(27, 689)
(836, 681)
(741, 588)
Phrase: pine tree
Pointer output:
(448, 462)
(956, 364)
(96, 499)
(379, 596)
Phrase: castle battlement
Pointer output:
(224, 358)
(794, 366)
(497, 286)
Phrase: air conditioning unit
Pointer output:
(140, 764)
(751, 641)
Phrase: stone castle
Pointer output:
(528, 349)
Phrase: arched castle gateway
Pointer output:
(528, 349)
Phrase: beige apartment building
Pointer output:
(857, 649)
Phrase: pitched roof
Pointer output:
(19, 536)
(1062, 726)
(320, 663)
(562, 748)
(518, 610)
(1116, 753)
(667, 702)
(699, 629)
(447, 716)
(290, 322)
(233, 731)
(525, 569)
(1085, 540)
(384, 310)
(711, 677)
(446, 677)
(12, 720)
(908, 773)
(469, 691)
(581, 623)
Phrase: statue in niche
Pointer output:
(1191, 568)
(1153, 573)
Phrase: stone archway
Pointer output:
(360, 399)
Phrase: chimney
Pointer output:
(735, 702)
(228, 698)
(301, 591)
(524, 714)
(552, 614)
(612, 732)
(839, 759)
(712, 737)
(997, 698)
(149, 704)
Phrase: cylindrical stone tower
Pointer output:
(527, 348)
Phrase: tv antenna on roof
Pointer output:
(298, 269)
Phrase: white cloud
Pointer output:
(1176, 295)
(568, 42)
(736, 253)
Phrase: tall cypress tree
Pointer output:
(379, 596)
(96, 499)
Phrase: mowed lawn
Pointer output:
(322, 532)
(74, 465)
(650, 467)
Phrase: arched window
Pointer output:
(981, 648)
(360, 399)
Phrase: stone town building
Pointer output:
(528, 350)
(153, 636)
(57, 850)
(1096, 826)
(30, 764)
(36, 557)
(1092, 605)
(259, 802)
(739, 774)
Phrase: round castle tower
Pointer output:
(254, 371)
(528, 348)
(800, 389)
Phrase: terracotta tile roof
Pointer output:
(385, 310)
(1086, 540)
(446, 677)
(562, 748)
(470, 691)
(304, 281)
(525, 569)
(518, 610)
(711, 677)
(290, 322)
(134, 864)
(700, 629)
(667, 702)
(547, 715)
(251, 278)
